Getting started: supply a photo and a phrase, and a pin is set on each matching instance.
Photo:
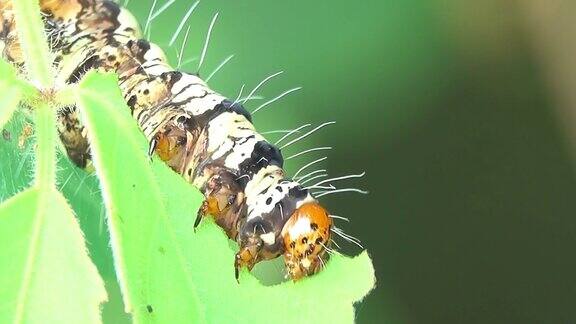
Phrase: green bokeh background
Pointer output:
(445, 105)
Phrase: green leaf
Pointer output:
(11, 92)
(32, 36)
(46, 276)
(167, 272)
(45, 128)
(17, 158)
(82, 191)
(149, 262)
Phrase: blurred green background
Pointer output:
(462, 114)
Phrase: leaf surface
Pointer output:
(11, 93)
(46, 275)
(153, 274)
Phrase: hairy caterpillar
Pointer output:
(207, 138)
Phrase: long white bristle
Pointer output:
(309, 164)
(182, 22)
(239, 95)
(313, 178)
(207, 41)
(335, 243)
(320, 187)
(339, 217)
(244, 99)
(321, 261)
(262, 83)
(188, 61)
(162, 9)
(226, 60)
(342, 234)
(340, 190)
(329, 250)
(181, 54)
(149, 19)
(295, 130)
(309, 174)
(347, 237)
(307, 134)
(350, 176)
(309, 150)
(277, 131)
(283, 94)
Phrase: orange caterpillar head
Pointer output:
(306, 237)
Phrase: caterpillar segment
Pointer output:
(199, 133)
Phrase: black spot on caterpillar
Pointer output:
(201, 134)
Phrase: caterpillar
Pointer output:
(202, 135)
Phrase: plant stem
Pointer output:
(45, 122)
(33, 42)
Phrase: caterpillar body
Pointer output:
(207, 138)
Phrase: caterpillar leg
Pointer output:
(209, 207)
(167, 145)
(152, 147)
(247, 257)
(225, 200)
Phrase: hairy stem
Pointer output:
(45, 120)
(33, 42)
